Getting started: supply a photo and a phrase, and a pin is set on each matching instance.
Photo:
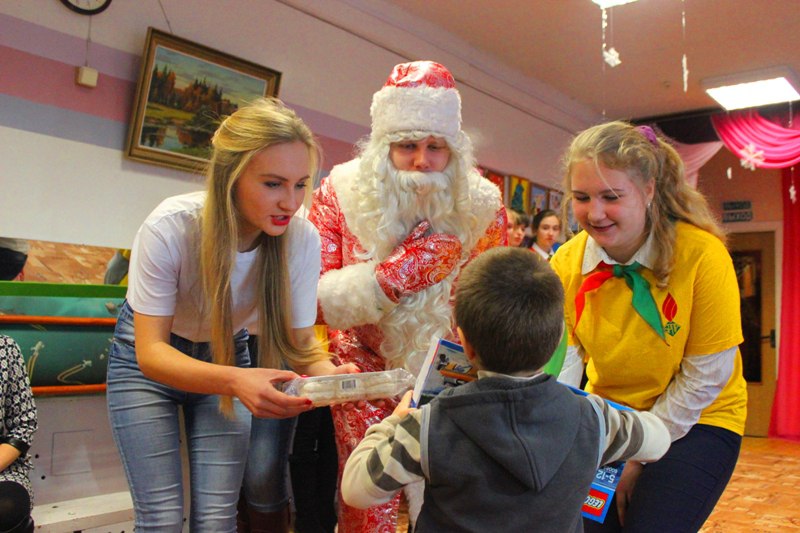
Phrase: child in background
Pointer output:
(514, 450)
(515, 227)
(546, 228)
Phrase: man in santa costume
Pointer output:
(398, 223)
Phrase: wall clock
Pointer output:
(87, 7)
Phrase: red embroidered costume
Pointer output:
(394, 241)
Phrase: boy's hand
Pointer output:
(630, 474)
(404, 407)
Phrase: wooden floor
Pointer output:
(763, 495)
(764, 492)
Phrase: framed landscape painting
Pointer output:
(184, 91)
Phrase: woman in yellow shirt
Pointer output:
(652, 311)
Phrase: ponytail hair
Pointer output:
(642, 155)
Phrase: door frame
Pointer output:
(775, 227)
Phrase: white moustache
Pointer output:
(421, 183)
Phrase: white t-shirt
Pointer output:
(164, 275)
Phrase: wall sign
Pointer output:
(737, 216)
(736, 205)
(737, 211)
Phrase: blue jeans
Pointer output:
(267, 472)
(266, 475)
(145, 423)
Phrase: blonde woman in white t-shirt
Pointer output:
(208, 270)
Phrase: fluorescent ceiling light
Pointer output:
(611, 3)
(753, 89)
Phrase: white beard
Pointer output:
(389, 204)
(410, 197)
(407, 198)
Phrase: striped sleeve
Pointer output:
(386, 459)
(629, 435)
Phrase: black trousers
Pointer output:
(15, 505)
(678, 493)
(313, 465)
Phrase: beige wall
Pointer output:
(78, 188)
(761, 187)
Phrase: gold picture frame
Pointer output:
(184, 90)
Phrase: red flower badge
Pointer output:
(670, 309)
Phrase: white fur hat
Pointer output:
(417, 96)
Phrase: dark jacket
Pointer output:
(511, 456)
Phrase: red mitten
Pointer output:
(418, 262)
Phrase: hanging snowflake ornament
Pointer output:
(684, 61)
(793, 193)
(685, 73)
(751, 157)
(611, 56)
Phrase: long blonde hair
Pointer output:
(622, 146)
(264, 123)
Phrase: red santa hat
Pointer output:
(418, 96)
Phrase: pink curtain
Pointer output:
(751, 136)
(785, 422)
(769, 143)
(695, 156)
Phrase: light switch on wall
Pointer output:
(86, 76)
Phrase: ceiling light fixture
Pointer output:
(611, 3)
(753, 89)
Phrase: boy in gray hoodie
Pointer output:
(514, 450)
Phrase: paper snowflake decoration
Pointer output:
(611, 56)
(751, 157)
(685, 65)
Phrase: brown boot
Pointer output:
(242, 519)
(274, 522)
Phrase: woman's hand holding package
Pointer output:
(256, 388)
